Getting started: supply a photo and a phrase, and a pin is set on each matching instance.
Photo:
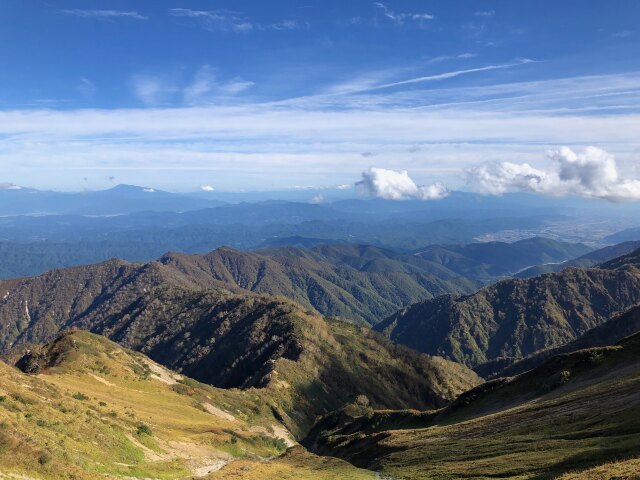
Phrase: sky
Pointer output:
(407, 98)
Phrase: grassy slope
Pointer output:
(575, 411)
(82, 419)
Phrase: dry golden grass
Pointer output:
(104, 411)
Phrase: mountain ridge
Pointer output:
(516, 317)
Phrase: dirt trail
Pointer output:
(218, 412)
(102, 380)
(162, 374)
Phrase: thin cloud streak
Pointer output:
(447, 75)
(104, 14)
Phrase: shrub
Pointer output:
(80, 396)
(144, 430)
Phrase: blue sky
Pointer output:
(277, 94)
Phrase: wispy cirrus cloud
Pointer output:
(104, 14)
(223, 20)
(484, 13)
(401, 18)
(204, 87)
(623, 34)
(321, 138)
(206, 84)
(384, 79)
(216, 20)
(444, 58)
(447, 75)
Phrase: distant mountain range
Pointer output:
(489, 261)
(119, 200)
(515, 318)
(590, 259)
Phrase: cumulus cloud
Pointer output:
(207, 188)
(317, 199)
(592, 173)
(397, 185)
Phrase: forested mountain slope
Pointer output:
(227, 339)
(517, 317)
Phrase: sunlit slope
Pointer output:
(94, 410)
(572, 413)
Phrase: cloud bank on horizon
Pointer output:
(592, 173)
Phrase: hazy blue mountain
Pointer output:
(585, 261)
(118, 200)
(629, 234)
(489, 261)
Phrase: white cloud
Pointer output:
(447, 75)
(205, 85)
(592, 173)
(152, 90)
(207, 188)
(216, 20)
(104, 14)
(319, 139)
(623, 34)
(203, 88)
(401, 18)
(485, 13)
(318, 199)
(231, 21)
(397, 185)
(285, 25)
(444, 58)
(86, 88)
(9, 186)
(344, 186)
